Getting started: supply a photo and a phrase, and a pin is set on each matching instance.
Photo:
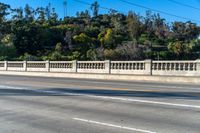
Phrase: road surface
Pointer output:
(58, 105)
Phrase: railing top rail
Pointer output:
(169, 61)
(36, 61)
(61, 61)
(90, 61)
(128, 61)
(15, 62)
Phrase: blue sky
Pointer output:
(163, 5)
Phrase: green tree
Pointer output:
(29, 13)
(7, 49)
(117, 21)
(18, 14)
(53, 17)
(41, 14)
(95, 8)
(133, 25)
(4, 11)
(184, 31)
(108, 39)
(84, 43)
(181, 49)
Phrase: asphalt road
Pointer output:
(50, 105)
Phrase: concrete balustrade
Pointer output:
(61, 66)
(146, 67)
(176, 68)
(91, 67)
(2, 64)
(14, 65)
(129, 67)
(34, 66)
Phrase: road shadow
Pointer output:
(100, 92)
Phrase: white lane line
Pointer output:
(127, 99)
(106, 97)
(112, 125)
(123, 99)
(12, 87)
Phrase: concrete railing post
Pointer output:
(25, 65)
(198, 65)
(5, 65)
(47, 66)
(148, 67)
(74, 65)
(107, 66)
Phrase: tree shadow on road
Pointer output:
(100, 92)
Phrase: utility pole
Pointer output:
(65, 8)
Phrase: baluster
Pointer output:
(129, 66)
(191, 66)
(138, 66)
(93, 66)
(166, 66)
(170, 66)
(161, 66)
(112, 65)
(195, 66)
(135, 66)
(184, 66)
(153, 66)
(179, 66)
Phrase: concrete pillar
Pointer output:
(47, 66)
(107, 66)
(148, 67)
(5, 65)
(25, 65)
(198, 65)
(74, 65)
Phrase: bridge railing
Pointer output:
(186, 68)
(61, 66)
(15, 66)
(35, 66)
(131, 67)
(145, 67)
(2, 67)
(92, 67)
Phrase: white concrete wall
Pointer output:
(130, 72)
(36, 69)
(91, 70)
(15, 69)
(61, 70)
(176, 73)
